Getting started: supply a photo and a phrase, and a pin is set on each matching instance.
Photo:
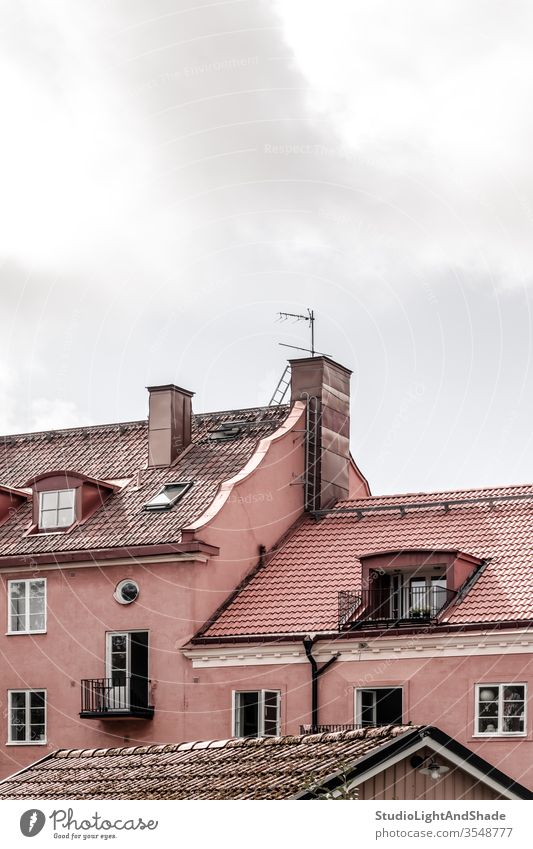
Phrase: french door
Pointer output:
(127, 670)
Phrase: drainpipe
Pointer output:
(316, 672)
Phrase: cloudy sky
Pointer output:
(174, 173)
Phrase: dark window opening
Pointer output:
(256, 714)
(381, 706)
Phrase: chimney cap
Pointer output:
(318, 358)
(166, 386)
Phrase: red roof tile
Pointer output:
(120, 451)
(259, 768)
(297, 590)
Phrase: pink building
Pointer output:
(117, 542)
(203, 576)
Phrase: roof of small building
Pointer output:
(296, 591)
(258, 768)
(119, 452)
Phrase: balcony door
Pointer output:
(421, 596)
(127, 670)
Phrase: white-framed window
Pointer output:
(378, 706)
(27, 717)
(27, 606)
(57, 508)
(256, 713)
(500, 709)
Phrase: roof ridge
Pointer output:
(135, 422)
(437, 492)
(238, 742)
(77, 429)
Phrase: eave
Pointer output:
(99, 554)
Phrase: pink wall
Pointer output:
(437, 691)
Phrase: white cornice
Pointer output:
(101, 564)
(472, 643)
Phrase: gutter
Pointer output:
(316, 672)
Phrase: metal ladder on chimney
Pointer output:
(281, 389)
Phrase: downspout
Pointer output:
(316, 672)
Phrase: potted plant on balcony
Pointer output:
(420, 613)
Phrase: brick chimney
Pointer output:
(326, 386)
(169, 423)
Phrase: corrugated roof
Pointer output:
(297, 590)
(120, 451)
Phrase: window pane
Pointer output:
(48, 500)
(513, 709)
(488, 712)
(37, 622)
(271, 713)
(65, 517)
(18, 730)
(37, 733)
(37, 699)
(48, 519)
(17, 717)
(66, 498)
(36, 605)
(18, 611)
(37, 716)
(17, 590)
(18, 699)
(118, 643)
(368, 707)
(37, 589)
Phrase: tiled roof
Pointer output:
(120, 451)
(297, 590)
(259, 768)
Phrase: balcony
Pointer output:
(391, 608)
(120, 697)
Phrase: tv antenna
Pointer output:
(310, 319)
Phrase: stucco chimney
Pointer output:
(327, 386)
(169, 423)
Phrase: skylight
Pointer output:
(225, 431)
(168, 496)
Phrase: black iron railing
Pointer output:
(125, 695)
(328, 729)
(407, 605)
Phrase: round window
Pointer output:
(126, 592)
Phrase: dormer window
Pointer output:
(62, 500)
(57, 509)
(168, 496)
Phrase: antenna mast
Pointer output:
(310, 318)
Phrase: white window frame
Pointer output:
(261, 711)
(27, 692)
(27, 630)
(55, 528)
(500, 687)
(357, 707)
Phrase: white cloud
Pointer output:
(433, 101)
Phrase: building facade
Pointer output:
(117, 542)
(196, 577)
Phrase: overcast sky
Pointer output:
(174, 173)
